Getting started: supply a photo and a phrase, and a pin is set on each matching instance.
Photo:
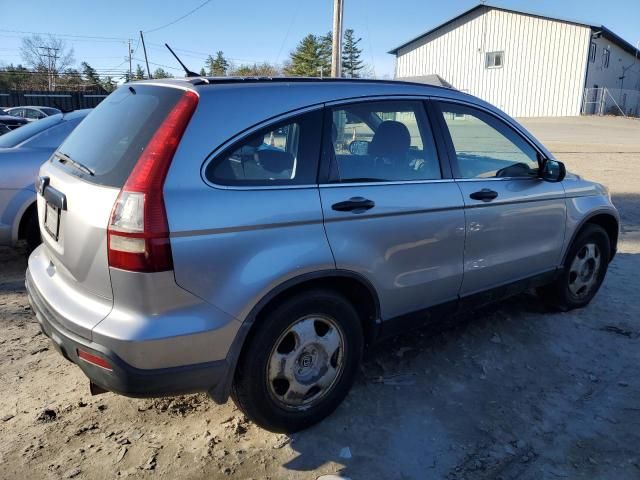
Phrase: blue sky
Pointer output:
(254, 31)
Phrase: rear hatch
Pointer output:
(80, 184)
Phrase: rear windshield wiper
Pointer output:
(64, 158)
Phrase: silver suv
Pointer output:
(249, 237)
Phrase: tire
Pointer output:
(32, 232)
(584, 270)
(301, 332)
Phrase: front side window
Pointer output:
(283, 154)
(17, 112)
(495, 60)
(382, 141)
(486, 147)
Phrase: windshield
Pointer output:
(19, 135)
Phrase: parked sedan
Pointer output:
(10, 122)
(21, 154)
(33, 113)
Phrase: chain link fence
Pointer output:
(611, 101)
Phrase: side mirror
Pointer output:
(552, 171)
(359, 147)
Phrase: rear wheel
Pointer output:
(584, 270)
(301, 362)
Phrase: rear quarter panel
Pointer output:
(231, 247)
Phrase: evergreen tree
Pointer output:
(326, 46)
(351, 63)
(161, 73)
(90, 75)
(217, 67)
(309, 58)
(203, 72)
(139, 75)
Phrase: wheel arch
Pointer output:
(356, 288)
(30, 209)
(605, 219)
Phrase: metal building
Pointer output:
(528, 64)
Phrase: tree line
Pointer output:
(310, 58)
(49, 64)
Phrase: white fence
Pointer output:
(611, 101)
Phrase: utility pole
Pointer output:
(130, 52)
(145, 54)
(336, 45)
(51, 62)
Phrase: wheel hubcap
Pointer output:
(306, 362)
(583, 273)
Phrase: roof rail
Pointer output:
(228, 80)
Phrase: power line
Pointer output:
(49, 34)
(286, 35)
(179, 18)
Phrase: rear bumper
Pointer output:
(124, 378)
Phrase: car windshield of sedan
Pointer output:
(19, 135)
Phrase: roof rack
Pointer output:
(225, 80)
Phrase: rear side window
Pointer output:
(111, 138)
(286, 153)
(382, 141)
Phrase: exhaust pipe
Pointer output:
(95, 389)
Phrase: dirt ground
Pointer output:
(514, 391)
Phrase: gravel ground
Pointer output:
(513, 391)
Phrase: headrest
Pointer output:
(391, 139)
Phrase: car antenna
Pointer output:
(187, 71)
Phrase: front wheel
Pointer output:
(584, 270)
(301, 362)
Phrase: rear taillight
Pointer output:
(138, 233)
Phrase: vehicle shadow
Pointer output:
(508, 390)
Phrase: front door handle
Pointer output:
(354, 204)
(486, 195)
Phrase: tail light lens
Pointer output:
(138, 232)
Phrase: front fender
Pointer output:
(585, 200)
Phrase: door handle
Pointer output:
(486, 195)
(354, 204)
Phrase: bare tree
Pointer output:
(47, 53)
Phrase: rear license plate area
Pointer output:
(52, 220)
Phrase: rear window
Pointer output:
(111, 138)
(19, 135)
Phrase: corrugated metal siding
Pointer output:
(544, 61)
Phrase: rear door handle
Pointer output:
(354, 204)
(486, 195)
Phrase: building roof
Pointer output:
(433, 79)
(596, 27)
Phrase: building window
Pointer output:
(605, 57)
(592, 52)
(494, 60)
